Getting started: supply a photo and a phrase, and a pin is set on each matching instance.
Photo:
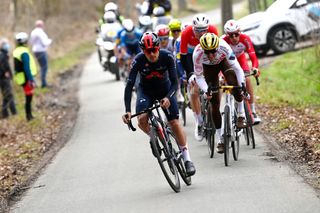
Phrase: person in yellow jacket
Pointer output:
(25, 70)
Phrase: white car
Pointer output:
(282, 25)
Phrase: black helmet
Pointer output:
(149, 40)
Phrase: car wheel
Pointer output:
(282, 39)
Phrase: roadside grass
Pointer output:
(293, 79)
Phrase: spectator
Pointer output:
(25, 70)
(5, 81)
(40, 43)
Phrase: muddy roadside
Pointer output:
(59, 108)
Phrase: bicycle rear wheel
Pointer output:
(210, 131)
(166, 160)
(179, 159)
(249, 134)
(226, 134)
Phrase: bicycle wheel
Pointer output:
(226, 134)
(210, 131)
(236, 146)
(166, 160)
(249, 134)
(179, 159)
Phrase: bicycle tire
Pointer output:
(165, 161)
(226, 134)
(249, 134)
(179, 159)
(236, 147)
(210, 131)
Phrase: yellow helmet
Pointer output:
(209, 41)
(175, 24)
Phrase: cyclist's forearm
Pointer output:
(128, 95)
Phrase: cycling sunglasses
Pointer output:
(201, 30)
(152, 50)
(233, 34)
(175, 31)
(164, 38)
(210, 51)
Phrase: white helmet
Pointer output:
(128, 25)
(109, 17)
(200, 21)
(110, 6)
(22, 38)
(158, 11)
(231, 26)
(145, 20)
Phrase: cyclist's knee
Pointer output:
(143, 121)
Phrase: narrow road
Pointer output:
(106, 168)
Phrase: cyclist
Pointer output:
(163, 32)
(129, 42)
(241, 43)
(189, 39)
(157, 82)
(210, 57)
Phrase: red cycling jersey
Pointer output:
(244, 45)
(189, 41)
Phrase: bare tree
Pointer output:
(182, 5)
(226, 11)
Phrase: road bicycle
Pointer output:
(209, 129)
(165, 147)
(248, 130)
(231, 133)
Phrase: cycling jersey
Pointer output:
(244, 45)
(157, 80)
(189, 41)
(130, 41)
(224, 51)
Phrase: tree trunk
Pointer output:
(182, 5)
(226, 11)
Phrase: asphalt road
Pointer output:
(106, 168)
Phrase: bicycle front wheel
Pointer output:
(226, 134)
(179, 159)
(249, 134)
(166, 160)
(210, 131)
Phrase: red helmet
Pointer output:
(149, 40)
(162, 30)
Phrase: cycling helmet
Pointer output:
(128, 25)
(109, 17)
(158, 11)
(149, 40)
(231, 26)
(209, 41)
(110, 6)
(175, 24)
(22, 38)
(145, 20)
(4, 45)
(200, 21)
(162, 30)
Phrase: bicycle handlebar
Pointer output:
(253, 72)
(155, 106)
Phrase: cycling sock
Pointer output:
(195, 116)
(199, 119)
(253, 108)
(185, 153)
(240, 109)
